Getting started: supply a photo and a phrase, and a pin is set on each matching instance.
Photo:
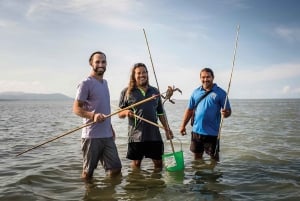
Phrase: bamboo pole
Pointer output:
(148, 121)
(145, 120)
(165, 115)
(229, 84)
(88, 124)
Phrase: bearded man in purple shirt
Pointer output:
(92, 103)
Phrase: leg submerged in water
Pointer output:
(86, 176)
(158, 164)
(198, 156)
(114, 172)
(136, 164)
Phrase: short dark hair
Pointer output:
(97, 52)
(208, 70)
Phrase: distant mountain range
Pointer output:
(32, 96)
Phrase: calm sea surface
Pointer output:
(260, 156)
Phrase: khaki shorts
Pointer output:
(99, 149)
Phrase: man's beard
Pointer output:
(207, 85)
(99, 72)
(143, 83)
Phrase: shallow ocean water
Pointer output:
(260, 148)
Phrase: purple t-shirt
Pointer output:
(96, 98)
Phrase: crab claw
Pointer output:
(177, 89)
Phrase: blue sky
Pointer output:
(45, 45)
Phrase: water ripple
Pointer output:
(259, 157)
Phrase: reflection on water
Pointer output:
(201, 183)
(140, 185)
(101, 189)
(259, 157)
(202, 164)
(136, 185)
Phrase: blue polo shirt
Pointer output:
(208, 112)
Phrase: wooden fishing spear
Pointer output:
(88, 124)
(226, 99)
(145, 120)
(165, 115)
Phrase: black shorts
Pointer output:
(205, 143)
(139, 150)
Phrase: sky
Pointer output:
(45, 44)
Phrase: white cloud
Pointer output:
(291, 90)
(268, 73)
(6, 23)
(273, 81)
(262, 82)
(179, 43)
(241, 4)
(289, 34)
(286, 89)
(112, 13)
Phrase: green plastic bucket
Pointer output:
(174, 161)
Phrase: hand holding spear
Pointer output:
(88, 124)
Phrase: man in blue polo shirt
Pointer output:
(207, 105)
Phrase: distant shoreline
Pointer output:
(21, 96)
